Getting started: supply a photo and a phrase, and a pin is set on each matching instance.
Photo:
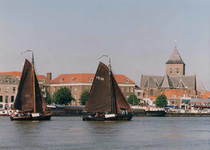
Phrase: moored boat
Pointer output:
(155, 113)
(106, 101)
(5, 112)
(149, 112)
(29, 103)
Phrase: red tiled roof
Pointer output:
(14, 73)
(206, 95)
(41, 77)
(169, 93)
(18, 74)
(85, 78)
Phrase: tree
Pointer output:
(132, 99)
(62, 96)
(161, 101)
(48, 99)
(84, 96)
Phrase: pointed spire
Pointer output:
(175, 42)
(175, 57)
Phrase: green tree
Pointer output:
(48, 99)
(62, 96)
(84, 96)
(161, 101)
(132, 99)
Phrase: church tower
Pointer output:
(175, 66)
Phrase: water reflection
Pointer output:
(73, 133)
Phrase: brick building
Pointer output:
(44, 82)
(139, 93)
(14, 76)
(77, 83)
(8, 90)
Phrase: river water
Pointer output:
(147, 133)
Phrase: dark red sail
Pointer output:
(100, 97)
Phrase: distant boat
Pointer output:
(106, 101)
(5, 112)
(150, 112)
(29, 103)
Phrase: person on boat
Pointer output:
(96, 115)
(122, 110)
(126, 111)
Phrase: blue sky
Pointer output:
(69, 36)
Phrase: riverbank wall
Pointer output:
(187, 115)
(79, 111)
(66, 112)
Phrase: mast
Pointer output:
(33, 78)
(113, 98)
(34, 95)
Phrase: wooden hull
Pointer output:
(29, 118)
(155, 113)
(119, 117)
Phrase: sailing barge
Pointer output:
(106, 101)
(29, 103)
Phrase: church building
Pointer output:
(174, 78)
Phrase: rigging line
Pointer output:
(106, 56)
(26, 51)
(33, 63)
(103, 56)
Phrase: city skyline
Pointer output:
(69, 37)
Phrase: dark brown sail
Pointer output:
(25, 97)
(120, 99)
(40, 102)
(100, 99)
(24, 100)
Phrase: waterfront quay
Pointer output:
(60, 110)
(187, 115)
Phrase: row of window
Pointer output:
(73, 79)
(74, 88)
(127, 89)
(6, 100)
(7, 89)
(174, 102)
(90, 79)
(8, 80)
(151, 92)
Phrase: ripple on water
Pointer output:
(147, 133)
